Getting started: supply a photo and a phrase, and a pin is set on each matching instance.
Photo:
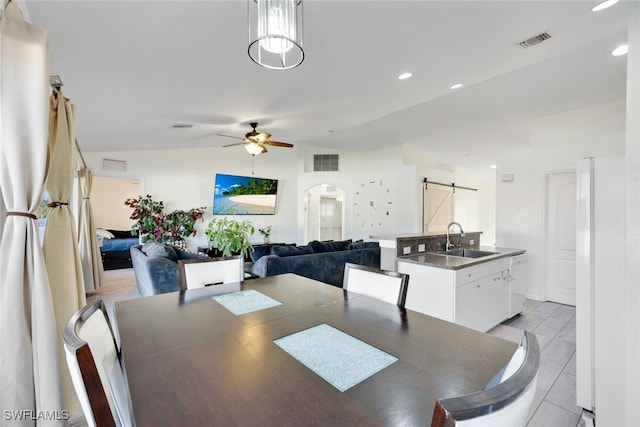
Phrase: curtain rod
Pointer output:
(452, 185)
(80, 152)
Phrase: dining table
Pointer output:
(288, 350)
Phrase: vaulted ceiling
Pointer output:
(134, 68)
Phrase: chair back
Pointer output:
(505, 401)
(96, 372)
(198, 273)
(387, 286)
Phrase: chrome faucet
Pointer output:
(449, 245)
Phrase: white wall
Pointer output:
(108, 195)
(184, 179)
(474, 210)
(556, 143)
(377, 177)
(383, 192)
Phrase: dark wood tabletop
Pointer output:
(189, 361)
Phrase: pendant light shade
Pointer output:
(253, 148)
(275, 33)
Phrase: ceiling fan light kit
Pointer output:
(275, 33)
(254, 148)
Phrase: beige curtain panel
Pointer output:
(60, 246)
(29, 365)
(89, 248)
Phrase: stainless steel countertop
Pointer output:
(431, 259)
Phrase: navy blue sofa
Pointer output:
(323, 261)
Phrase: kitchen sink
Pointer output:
(467, 253)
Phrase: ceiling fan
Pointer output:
(255, 142)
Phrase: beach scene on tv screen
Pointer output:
(243, 195)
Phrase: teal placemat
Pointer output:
(340, 359)
(243, 302)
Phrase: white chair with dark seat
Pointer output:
(387, 286)
(198, 273)
(96, 371)
(504, 401)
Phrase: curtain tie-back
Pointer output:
(57, 204)
(27, 214)
(85, 198)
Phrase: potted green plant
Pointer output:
(266, 233)
(230, 236)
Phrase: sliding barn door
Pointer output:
(438, 207)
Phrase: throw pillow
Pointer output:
(105, 234)
(158, 249)
(261, 250)
(284, 251)
(319, 247)
(364, 245)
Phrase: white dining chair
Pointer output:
(387, 286)
(198, 273)
(96, 372)
(504, 401)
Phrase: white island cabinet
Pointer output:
(476, 296)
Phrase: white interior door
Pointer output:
(560, 271)
(330, 218)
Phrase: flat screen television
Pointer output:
(244, 195)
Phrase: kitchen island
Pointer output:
(475, 289)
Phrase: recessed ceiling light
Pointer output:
(493, 166)
(620, 50)
(456, 86)
(404, 76)
(603, 5)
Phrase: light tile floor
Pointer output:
(555, 327)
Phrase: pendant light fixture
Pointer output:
(275, 33)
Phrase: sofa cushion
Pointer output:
(283, 251)
(261, 250)
(320, 247)
(158, 249)
(364, 245)
(327, 267)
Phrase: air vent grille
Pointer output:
(325, 162)
(534, 40)
(114, 165)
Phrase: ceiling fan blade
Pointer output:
(263, 136)
(234, 144)
(278, 144)
(229, 136)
